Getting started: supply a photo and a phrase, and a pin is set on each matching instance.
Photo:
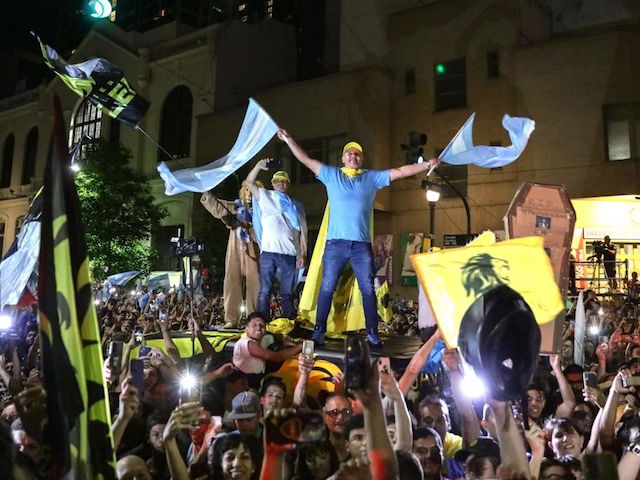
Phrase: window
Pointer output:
(175, 127)
(622, 131)
(450, 84)
(7, 161)
(30, 156)
(325, 149)
(410, 81)
(493, 64)
(87, 120)
(19, 222)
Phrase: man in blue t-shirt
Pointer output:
(351, 191)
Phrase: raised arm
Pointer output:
(608, 417)
(183, 417)
(413, 169)
(128, 405)
(304, 232)
(253, 174)
(300, 390)
(565, 409)
(417, 362)
(206, 346)
(169, 344)
(512, 450)
(404, 434)
(299, 153)
(470, 424)
(383, 463)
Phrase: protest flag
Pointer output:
(101, 83)
(255, 132)
(454, 278)
(18, 264)
(462, 151)
(77, 431)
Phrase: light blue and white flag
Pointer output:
(158, 281)
(462, 151)
(256, 131)
(121, 279)
(16, 269)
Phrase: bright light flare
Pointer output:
(601, 311)
(5, 322)
(472, 385)
(187, 382)
(96, 302)
(594, 330)
(112, 290)
(75, 167)
(242, 308)
(132, 292)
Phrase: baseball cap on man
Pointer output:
(244, 405)
(349, 145)
(280, 175)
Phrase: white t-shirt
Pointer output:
(277, 234)
(243, 360)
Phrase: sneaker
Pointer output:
(318, 337)
(374, 339)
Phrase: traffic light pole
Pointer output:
(464, 202)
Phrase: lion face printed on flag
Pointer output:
(453, 279)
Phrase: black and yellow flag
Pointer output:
(453, 279)
(101, 83)
(78, 428)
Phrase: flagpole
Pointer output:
(153, 140)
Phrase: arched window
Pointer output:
(30, 156)
(175, 126)
(7, 161)
(86, 121)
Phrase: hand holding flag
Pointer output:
(256, 130)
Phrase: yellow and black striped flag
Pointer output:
(101, 83)
(78, 426)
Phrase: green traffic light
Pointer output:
(440, 68)
(99, 8)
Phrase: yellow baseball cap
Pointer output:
(349, 145)
(280, 175)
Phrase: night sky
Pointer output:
(58, 22)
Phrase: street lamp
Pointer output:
(433, 195)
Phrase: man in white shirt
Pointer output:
(281, 229)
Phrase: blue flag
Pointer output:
(462, 151)
(121, 279)
(256, 131)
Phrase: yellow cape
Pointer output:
(347, 312)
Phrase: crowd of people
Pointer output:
(228, 410)
(240, 420)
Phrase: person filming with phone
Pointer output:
(281, 230)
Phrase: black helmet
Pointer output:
(500, 339)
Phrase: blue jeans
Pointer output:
(336, 255)
(282, 267)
